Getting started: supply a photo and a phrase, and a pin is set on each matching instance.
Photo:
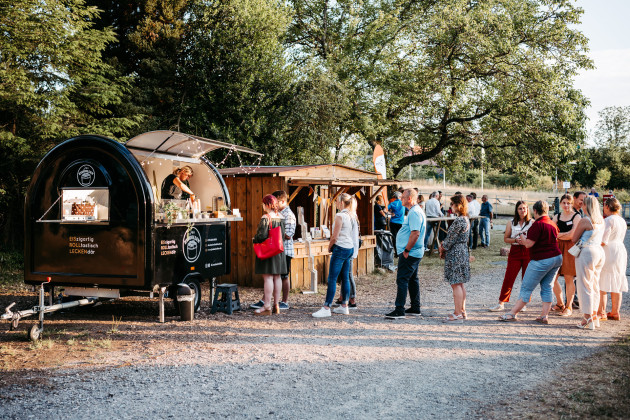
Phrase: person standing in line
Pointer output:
(566, 221)
(380, 214)
(344, 242)
(473, 211)
(589, 264)
(270, 268)
(613, 279)
(594, 193)
(432, 210)
(518, 258)
(289, 230)
(454, 250)
(421, 202)
(578, 202)
(545, 261)
(486, 222)
(398, 216)
(410, 242)
(352, 300)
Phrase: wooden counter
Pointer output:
(300, 275)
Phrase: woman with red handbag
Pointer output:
(270, 259)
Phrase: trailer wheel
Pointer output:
(35, 333)
(194, 284)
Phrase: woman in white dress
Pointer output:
(589, 264)
(613, 279)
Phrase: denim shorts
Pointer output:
(543, 273)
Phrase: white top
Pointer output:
(345, 238)
(474, 208)
(432, 208)
(518, 229)
(613, 277)
(614, 229)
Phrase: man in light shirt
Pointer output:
(473, 211)
(432, 209)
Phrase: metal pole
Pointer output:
(162, 291)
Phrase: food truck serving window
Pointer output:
(84, 205)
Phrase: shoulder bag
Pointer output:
(271, 246)
(576, 249)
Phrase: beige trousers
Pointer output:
(588, 267)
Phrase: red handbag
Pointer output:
(273, 245)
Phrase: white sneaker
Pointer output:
(342, 310)
(500, 307)
(322, 313)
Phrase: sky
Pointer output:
(605, 23)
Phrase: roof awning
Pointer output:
(178, 145)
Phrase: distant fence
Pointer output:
(504, 205)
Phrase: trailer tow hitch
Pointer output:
(37, 329)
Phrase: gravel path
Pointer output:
(353, 366)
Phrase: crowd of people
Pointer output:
(579, 244)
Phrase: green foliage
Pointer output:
(453, 75)
(235, 79)
(602, 178)
(608, 164)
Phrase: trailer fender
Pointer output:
(193, 281)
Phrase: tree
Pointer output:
(453, 75)
(235, 78)
(613, 128)
(53, 85)
(612, 152)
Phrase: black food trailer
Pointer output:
(95, 223)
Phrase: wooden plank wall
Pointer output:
(246, 194)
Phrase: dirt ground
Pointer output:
(502, 369)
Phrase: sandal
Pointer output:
(508, 317)
(454, 319)
(464, 314)
(566, 312)
(612, 317)
(542, 320)
(557, 308)
(602, 317)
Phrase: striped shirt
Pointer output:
(289, 230)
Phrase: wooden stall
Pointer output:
(314, 188)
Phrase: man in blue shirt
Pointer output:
(398, 216)
(411, 249)
(485, 222)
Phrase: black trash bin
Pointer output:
(186, 302)
(384, 255)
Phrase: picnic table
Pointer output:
(441, 227)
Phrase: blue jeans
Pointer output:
(407, 279)
(484, 231)
(340, 265)
(541, 272)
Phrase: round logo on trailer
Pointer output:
(86, 175)
(192, 245)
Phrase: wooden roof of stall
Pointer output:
(329, 174)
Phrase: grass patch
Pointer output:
(114, 326)
(43, 344)
(595, 387)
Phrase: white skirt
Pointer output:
(613, 278)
